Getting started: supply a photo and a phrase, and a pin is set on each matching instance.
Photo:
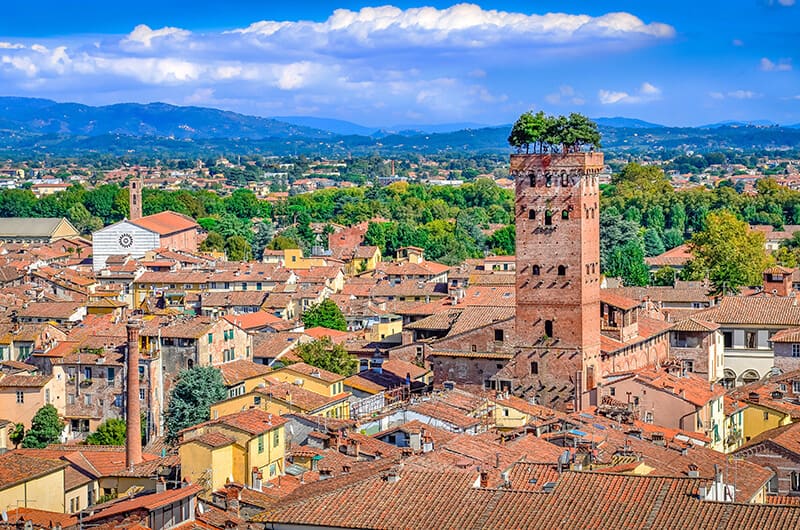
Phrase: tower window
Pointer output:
(565, 214)
(562, 270)
(548, 181)
(533, 180)
(537, 270)
(548, 328)
(531, 214)
(565, 180)
(534, 368)
(548, 217)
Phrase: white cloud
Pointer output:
(143, 36)
(646, 92)
(441, 63)
(566, 94)
(735, 94)
(783, 65)
(737, 42)
(716, 95)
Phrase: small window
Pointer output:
(565, 180)
(110, 374)
(796, 387)
(210, 338)
(548, 218)
(795, 481)
(548, 328)
(531, 214)
(562, 270)
(505, 412)
(536, 270)
(498, 335)
(473, 348)
(260, 443)
(795, 350)
(728, 338)
(533, 180)
(276, 438)
(141, 394)
(20, 397)
(548, 180)
(534, 368)
(565, 214)
(612, 391)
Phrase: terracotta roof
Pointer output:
(401, 368)
(297, 396)
(24, 381)
(166, 223)
(692, 324)
(773, 311)
(319, 332)
(446, 413)
(691, 388)
(787, 335)
(251, 321)
(16, 467)
(41, 517)
(786, 437)
(213, 439)
(60, 310)
(147, 502)
(235, 372)
(313, 371)
(233, 298)
(675, 256)
(250, 421)
(619, 301)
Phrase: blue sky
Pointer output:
(677, 62)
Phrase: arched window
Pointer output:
(592, 268)
(189, 363)
(533, 180)
(592, 213)
(536, 270)
(588, 270)
(587, 213)
(565, 214)
(548, 218)
(548, 328)
(548, 180)
(750, 376)
(564, 179)
(562, 270)
(531, 214)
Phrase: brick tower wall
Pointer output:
(135, 198)
(558, 273)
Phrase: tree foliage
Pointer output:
(553, 133)
(323, 353)
(110, 432)
(191, 398)
(627, 262)
(17, 434)
(731, 253)
(45, 429)
(326, 314)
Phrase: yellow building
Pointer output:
(365, 259)
(311, 378)
(31, 482)
(510, 412)
(763, 416)
(245, 447)
(293, 259)
(387, 329)
(278, 397)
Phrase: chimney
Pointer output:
(232, 496)
(133, 441)
(161, 485)
(484, 479)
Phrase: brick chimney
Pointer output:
(133, 443)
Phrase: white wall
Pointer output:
(106, 242)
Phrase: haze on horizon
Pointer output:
(676, 63)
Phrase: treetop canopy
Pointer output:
(564, 134)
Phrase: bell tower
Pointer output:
(135, 193)
(558, 274)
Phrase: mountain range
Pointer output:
(29, 125)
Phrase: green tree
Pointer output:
(17, 435)
(672, 238)
(326, 355)
(325, 314)
(191, 398)
(653, 245)
(45, 429)
(665, 276)
(627, 262)
(214, 242)
(83, 220)
(732, 254)
(529, 130)
(110, 432)
(503, 241)
(238, 249)
(614, 233)
(282, 243)
(265, 231)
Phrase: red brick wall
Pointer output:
(558, 183)
(185, 240)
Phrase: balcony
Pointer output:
(86, 383)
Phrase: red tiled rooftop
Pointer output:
(166, 223)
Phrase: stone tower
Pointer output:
(135, 192)
(558, 275)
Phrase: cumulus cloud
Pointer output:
(565, 95)
(646, 92)
(783, 65)
(427, 58)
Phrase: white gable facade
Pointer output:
(122, 238)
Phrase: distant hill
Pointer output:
(629, 123)
(734, 123)
(329, 124)
(153, 119)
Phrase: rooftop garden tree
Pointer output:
(539, 133)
